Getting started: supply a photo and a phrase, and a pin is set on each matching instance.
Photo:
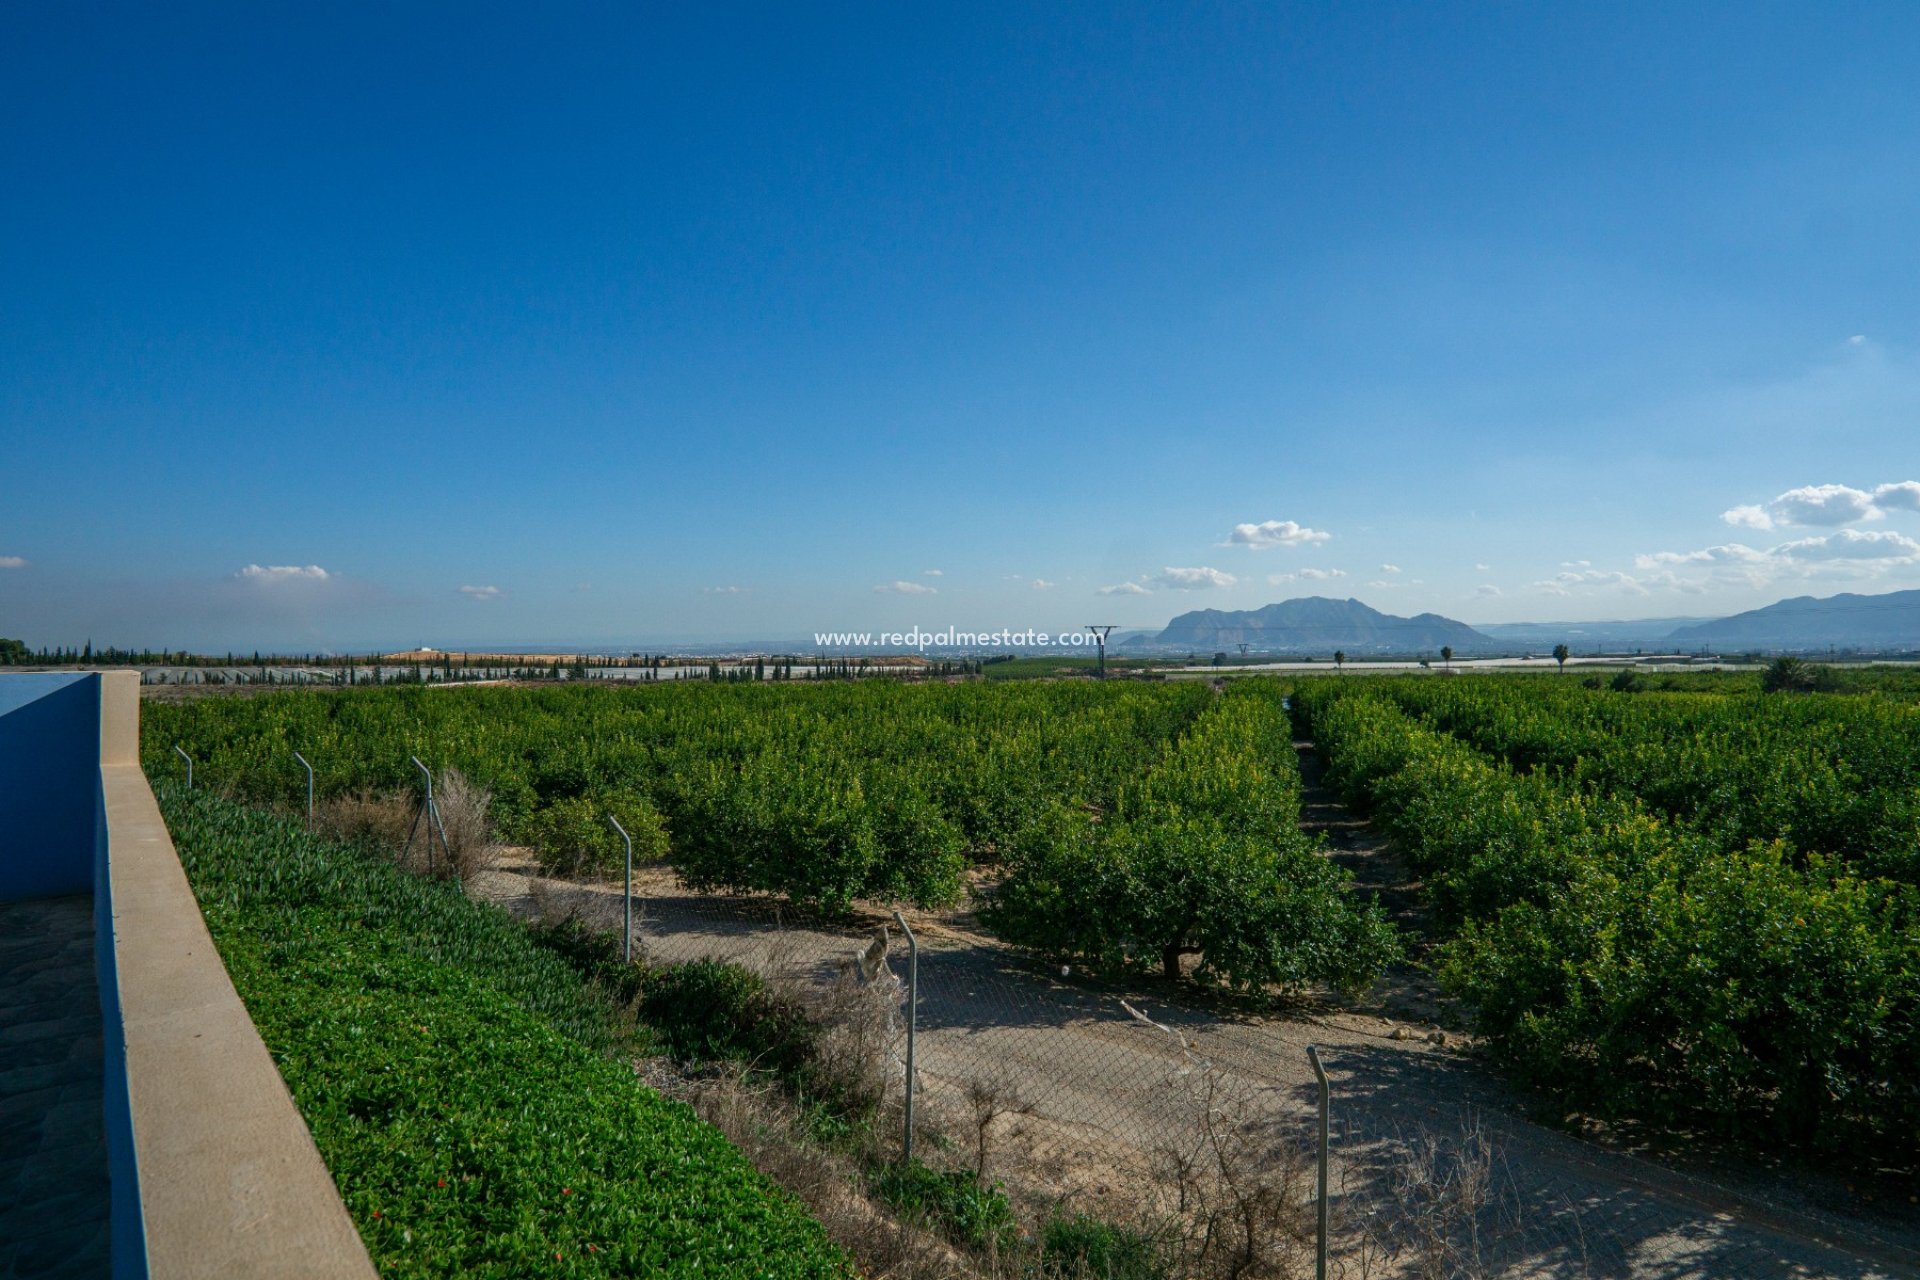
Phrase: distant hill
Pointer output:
(1890, 621)
(1317, 624)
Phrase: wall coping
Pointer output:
(230, 1181)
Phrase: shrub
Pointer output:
(1792, 675)
(1769, 999)
(593, 953)
(712, 1011)
(824, 792)
(572, 836)
(466, 823)
(966, 1211)
(374, 821)
(1083, 1247)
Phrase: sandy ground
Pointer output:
(1100, 1095)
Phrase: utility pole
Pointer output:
(1101, 630)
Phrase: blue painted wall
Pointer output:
(54, 840)
(127, 1228)
(49, 783)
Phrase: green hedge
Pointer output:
(458, 1078)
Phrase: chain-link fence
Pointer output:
(1079, 1098)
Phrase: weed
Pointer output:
(710, 1011)
(968, 1213)
(1082, 1247)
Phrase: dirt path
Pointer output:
(1104, 1093)
(1408, 990)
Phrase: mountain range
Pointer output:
(1889, 621)
(1317, 624)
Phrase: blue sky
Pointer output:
(332, 326)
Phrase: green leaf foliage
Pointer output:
(457, 1076)
(824, 793)
(1082, 1247)
(575, 834)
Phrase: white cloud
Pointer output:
(1851, 544)
(1726, 553)
(1306, 575)
(932, 573)
(1389, 568)
(1041, 584)
(1196, 579)
(1576, 564)
(904, 588)
(274, 574)
(723, 591)
(482, 593)
(13, 562)
(1381, 584)
(1486, 590)
(1123, 589)
(1274, 533)
(1845, 553)
(1904, 496)
(1826, 504)
(1483, 568)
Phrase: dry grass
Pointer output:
(989, 1100)
(386, 820)
(1244, 1188)
(1450, 1211)
(472, 843)
(760, 1120)
(857, 1023)
(376, 820)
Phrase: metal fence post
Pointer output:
(431, 812)
(189, 759)
(913, 1019)
(626, 932)
(309, 768)
(1326, 1100)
